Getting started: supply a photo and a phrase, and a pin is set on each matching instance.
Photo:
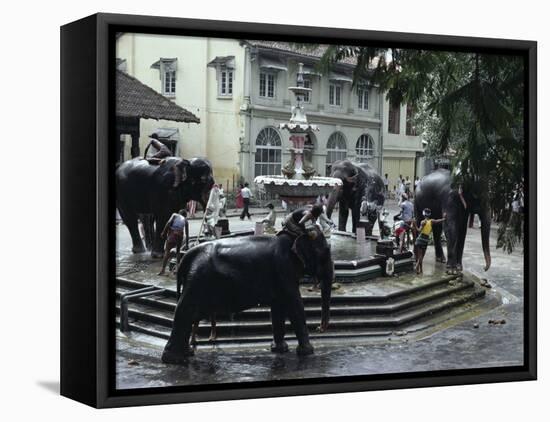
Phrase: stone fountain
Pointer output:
(297, 185)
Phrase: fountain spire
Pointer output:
(297, 185)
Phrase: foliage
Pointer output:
(470, 106)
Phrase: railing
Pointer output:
(134, 294)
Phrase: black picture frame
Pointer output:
(87, 234)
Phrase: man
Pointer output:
(400, 191)
(223, 202)
(270, 220)
(246, 195)
(407, 209)
(212, 212)
(386, 183)
(407, 185)
(406, 215)
(160, 151)
(300, 220)
(176, 228)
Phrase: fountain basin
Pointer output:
(297, 190)
(353, 261)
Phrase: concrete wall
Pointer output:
(217, 136)
(229, 126)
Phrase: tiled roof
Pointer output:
(135, 99)
(315, 51)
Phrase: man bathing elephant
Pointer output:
(230, 275)
(362, 192)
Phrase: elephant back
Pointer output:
(432, 190)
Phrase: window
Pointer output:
(364, 148)
(226, 82)
(225, 67)
(267, 85)
(121, 65)
(410, 129)
(393, 118)
(169, 85)
(363, 98)
(167, 69)
(336, 150)
(268, 153)
(307, 95)
(335, 95)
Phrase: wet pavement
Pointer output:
(464, 343)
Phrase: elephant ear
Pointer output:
(302, 247)
(180, 170)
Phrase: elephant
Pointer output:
(435, 191)
(230, 275)
(362, 192)
(152, 193)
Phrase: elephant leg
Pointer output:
(354, 219)
(130, 219)
(177, 349)
(343, 213)
(297, 318)
(279, 344)
(460, 244)
(451, 235)
(148, 229)
(158, 242)
(439, 254)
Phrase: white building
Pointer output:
(239, 90)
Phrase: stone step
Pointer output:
(125, 284)
(340, 307)
(247, 328)
(202, 340)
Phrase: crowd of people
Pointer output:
(405, 229)
(402, 185)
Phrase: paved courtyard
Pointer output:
(471, 343)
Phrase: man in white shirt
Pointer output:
(246, 194)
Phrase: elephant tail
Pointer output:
(184, 269)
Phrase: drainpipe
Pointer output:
(381, 147)
(245, 153)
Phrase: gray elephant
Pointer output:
(230, 275)
(362, 192)
(460, 203)
(158, 191)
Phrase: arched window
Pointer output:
(336, 150)
(364, 148)
(268, 153)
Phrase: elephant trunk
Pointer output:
(326, 290)
(485, 220)
(332, 199)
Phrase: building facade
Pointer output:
(239, 90)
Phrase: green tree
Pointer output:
(467, 103)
